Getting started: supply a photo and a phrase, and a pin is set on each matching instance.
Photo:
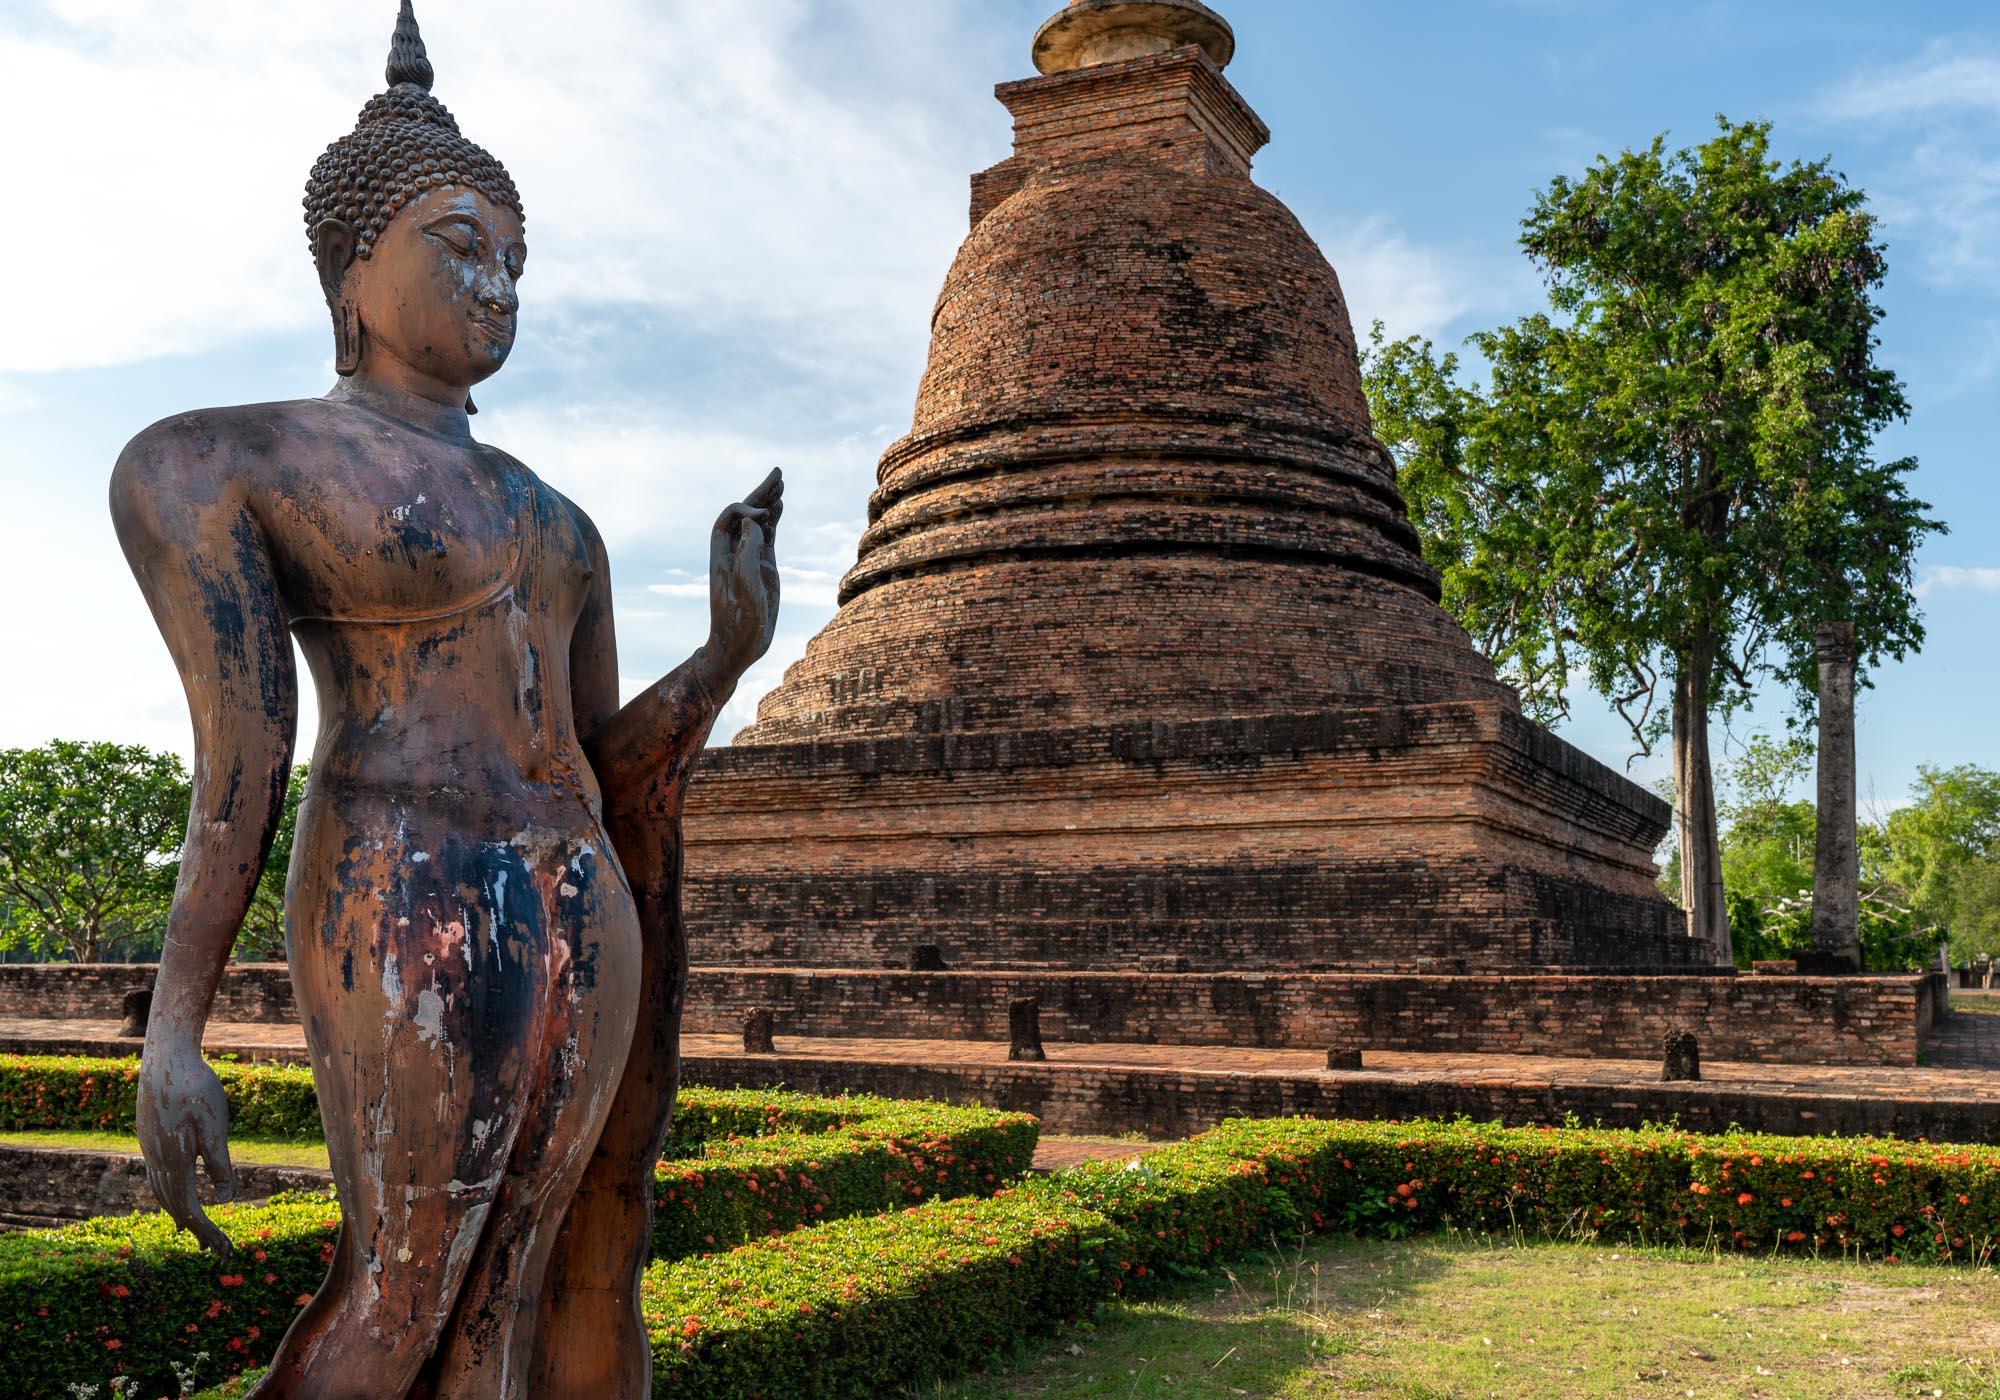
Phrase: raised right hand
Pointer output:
(183, 1115)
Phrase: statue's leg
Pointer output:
(592, 1343)
(486, 1353)
(419, 999)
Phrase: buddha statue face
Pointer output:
(437, 294)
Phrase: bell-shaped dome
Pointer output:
(1140, 481)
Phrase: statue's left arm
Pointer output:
(642, 754)
(643, 751)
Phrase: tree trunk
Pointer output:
(1836, 906)
(1694, 794)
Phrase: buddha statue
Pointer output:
(482, 907)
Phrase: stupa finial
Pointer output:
(1088, 32)
(408, 62)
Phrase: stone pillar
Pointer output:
(1024, 1027)
(1683, 1056)
(759, 1031)
(1836, 904)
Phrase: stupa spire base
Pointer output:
(1093, 32)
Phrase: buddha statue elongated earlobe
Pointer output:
(334, 248)
(350, 339)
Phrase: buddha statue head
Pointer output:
(417, 234)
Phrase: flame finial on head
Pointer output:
(408, 62)
(404, 144)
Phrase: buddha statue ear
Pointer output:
(334, 244)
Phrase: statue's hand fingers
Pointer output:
(215, 1156)
(769, 492)
(173, 1186)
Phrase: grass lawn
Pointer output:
(246, 1150)
(1979, 1003)
(1434, 1317)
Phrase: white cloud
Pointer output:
(1411, 288)
(677, 153)
(1952, 576)
(1941, 80)
(15, 399)
(1941, 111)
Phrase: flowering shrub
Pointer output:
(131, 1296)
(874, 1303)
(1869, 1197)
(90, 1094)
(869, 1306)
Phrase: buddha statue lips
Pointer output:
(483, 903)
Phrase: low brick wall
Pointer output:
(1769, 1020)
(44, 1186)
(257, 992)
(1167, 1104)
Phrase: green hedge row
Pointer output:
(865, 1305)
(858, 1308)
(82, 1093)
(131, 1296)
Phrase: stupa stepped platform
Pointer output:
(1169, 1091)
(1859, 1021)
(1456, 833)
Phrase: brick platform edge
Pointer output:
(1175, 1103)
(1767, 1020)
(44, 1186)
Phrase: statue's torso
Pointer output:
(434, 585)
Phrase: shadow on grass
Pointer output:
(1250, 1328)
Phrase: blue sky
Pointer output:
(740, 213)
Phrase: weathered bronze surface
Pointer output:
(483, 904)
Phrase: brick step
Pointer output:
(1171, 1092)
(1772, 1020)
(1778, 1020)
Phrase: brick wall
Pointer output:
(254, 992)
(1770, 1020)
(42, 1187)
(1167, 1105)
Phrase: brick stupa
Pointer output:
(1140, 665)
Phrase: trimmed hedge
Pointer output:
(865, 1305)
(83, 1093)
(1874, 1198)
(859, 1308)
(132, 1296)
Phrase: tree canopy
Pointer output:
(1669, 478)
(89, 840)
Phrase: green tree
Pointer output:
(1975, 906)
(263, 934)
(1934, 848)
(90, 836)
(1670, 477)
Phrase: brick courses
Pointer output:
(1140, 663)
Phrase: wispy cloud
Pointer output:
(1953, 576)
(1411, 287)
(1939, 80)
(700, 158)
(1941, 110)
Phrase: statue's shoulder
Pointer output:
(584, 524)
(222, 437)
(209, 454)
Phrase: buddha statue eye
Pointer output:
(458, 236)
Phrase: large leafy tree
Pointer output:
(90, 836)
(1670, 477)
(1940, 849)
